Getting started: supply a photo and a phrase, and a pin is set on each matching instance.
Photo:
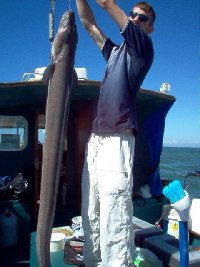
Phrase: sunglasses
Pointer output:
(142, 17)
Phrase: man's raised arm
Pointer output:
(88, 20)
(114, 11)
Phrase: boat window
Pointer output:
(41, 128)
(13, 133)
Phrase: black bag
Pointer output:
(10, 189)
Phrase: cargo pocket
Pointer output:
(114, 182)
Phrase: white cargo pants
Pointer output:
(106, 200)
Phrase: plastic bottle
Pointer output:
(138, 260)
(170, 221)
(8, 229)
(145, 258)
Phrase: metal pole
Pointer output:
(183, 244)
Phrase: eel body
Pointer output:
(60, 77)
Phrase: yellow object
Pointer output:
(170, 221)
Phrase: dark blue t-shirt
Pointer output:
(127, 66)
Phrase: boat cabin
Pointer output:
(22, 132)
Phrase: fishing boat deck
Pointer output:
(148, 236)
(28, 100)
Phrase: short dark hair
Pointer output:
(147, 8)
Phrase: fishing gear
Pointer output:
(69, 4)
(181, 203)
(51, 21)
(51, 26)
(195, 174)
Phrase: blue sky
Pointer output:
(24, 46)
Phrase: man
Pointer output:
(107, 174)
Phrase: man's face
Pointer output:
(142, 19)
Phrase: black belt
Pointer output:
(127, 131)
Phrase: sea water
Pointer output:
(177, 163)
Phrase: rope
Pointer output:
(51, 25)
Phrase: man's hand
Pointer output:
(114, 11)
(105, 3)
